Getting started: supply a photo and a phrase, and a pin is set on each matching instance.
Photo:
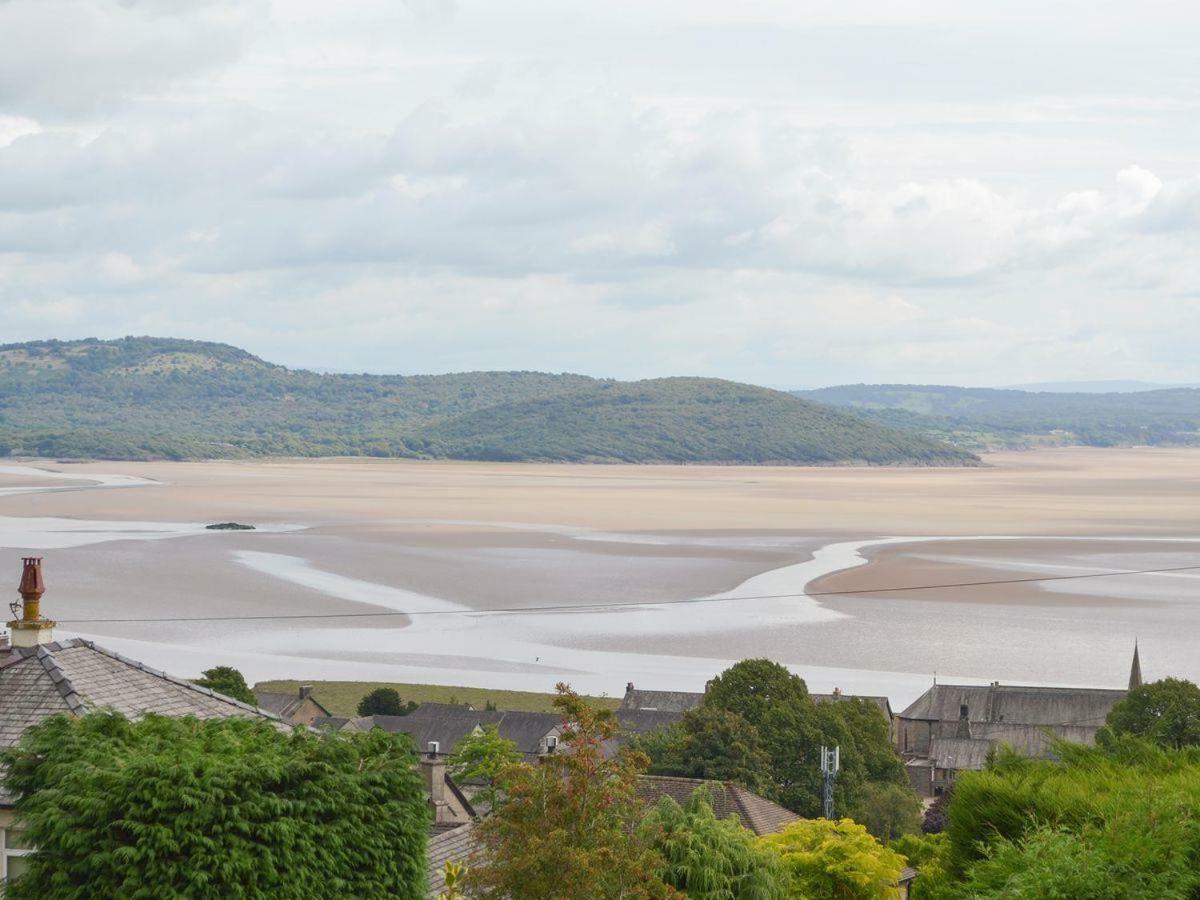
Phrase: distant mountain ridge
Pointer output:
(986, 418)
(1115, 386)
(145, 397)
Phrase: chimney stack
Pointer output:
(305, 691)
(433, 769)
(32, 628)
(837, 693)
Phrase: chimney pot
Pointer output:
(837, 692)
(434, 747)
(32, 629)
(628, 686)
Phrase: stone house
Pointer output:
(300, 708)
(952, 727)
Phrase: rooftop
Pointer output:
(754, 812)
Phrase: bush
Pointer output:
(180, 807)
(384, 701)
(836, 859)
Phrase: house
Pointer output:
(952, 727)
(300, 708)
(41, 677)
(728, 799)
(443, 724)
(682, 701)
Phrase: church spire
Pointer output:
(1135, 671)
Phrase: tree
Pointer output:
(836, 859)
(567, 827)
(228, 681)
(709, 858)
(384, 701)
(888, 810)
(480, 757)
(753, 687)
(232, 807)
(1166, 712)
(711, 742)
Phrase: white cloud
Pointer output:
(772, 192)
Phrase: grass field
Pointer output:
(341, 697)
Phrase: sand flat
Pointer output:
(345, 548)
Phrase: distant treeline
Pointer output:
(162, 398)
(979, 418)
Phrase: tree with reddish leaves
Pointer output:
(567, 827)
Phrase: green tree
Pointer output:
(929, 854)
(754, 687)
(1166, 712)
(839, 860)
(709, 858)
(384, 701)
(479, 758)
(567, 827)
(710, 742)
(180, 807)
(888, 810)
(228, 681)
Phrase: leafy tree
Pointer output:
(888, 810)
(480, 757)
(754, 687)
(180, 807)
(836, 859)
(228, 681)
(567, 827)
(1167, 712)
(384, 701)
(709, 858)
(929, 854)
(710, 742)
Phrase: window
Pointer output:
(551, 743)
(13, 849)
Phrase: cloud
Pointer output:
(433, 186)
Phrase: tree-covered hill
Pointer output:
(141, 398)
(677, 420)
(985, 417)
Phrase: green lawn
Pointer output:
(341, 697)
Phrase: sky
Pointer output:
(791, 193)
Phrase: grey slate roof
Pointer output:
(754, 812)
(449, 724)
(284, 705)
(76, 677)
(668, 701)
(1015, 705)
(642, 721)
(455, 845)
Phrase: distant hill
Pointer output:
(143, 398)
(982, 418)
(1095, 387)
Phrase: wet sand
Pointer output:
(356, 538)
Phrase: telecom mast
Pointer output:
(831, 763)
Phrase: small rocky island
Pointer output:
(229, 526)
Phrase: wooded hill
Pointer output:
(981, 418)
(143, 398)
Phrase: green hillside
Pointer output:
(677, 420)
(144, 398)
(983, 417)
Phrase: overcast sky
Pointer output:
(786, 193)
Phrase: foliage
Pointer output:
(982, 417)
(180, 807)
(567, 827)
(934, 821)
(929, 854)
(144, 398)
(454, 875)
(1166, 712)
(228, 681)
(479, 758)
(1127, 813)
(836, 859)
(754, 687)
(759, 726)
(888, 810)
(710, 742)
(384, 701)
(710, 858)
